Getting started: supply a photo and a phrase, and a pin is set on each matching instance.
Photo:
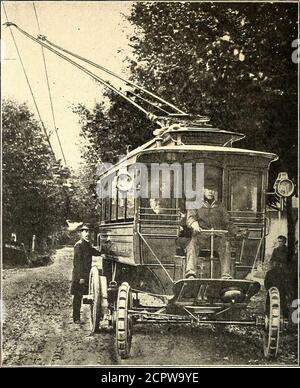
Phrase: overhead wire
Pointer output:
(115, 75)
(91, 74)
(49, 89)
(54, 49)
(9, 24)
(28, 83)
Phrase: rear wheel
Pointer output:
(273, 319)
(123, 321)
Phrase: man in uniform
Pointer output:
(278, 274)
(294, 274)
(212, 214)
(279, 258)
(83, 252)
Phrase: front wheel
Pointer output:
(124, 321)
(98, 290)
(273, 319)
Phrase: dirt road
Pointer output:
(38, 330)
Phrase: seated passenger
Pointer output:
(155, 205)
(158, 209)
(212, 214)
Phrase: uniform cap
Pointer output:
(210, 184)
(85, 227)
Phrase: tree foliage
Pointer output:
(231, 61)
(82, 202)
(34, 199)
(111, 132)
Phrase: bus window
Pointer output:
(213, 178)
(244, 191)
(114, 201)
(107, 209)
(160, 203)
(98, 208)
(106, 201)
(103, 210)
(121, 205)
(130, 204)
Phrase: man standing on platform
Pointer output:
(278, 274)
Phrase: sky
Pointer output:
(95, 30)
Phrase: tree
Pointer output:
(109, 133)
(231, 61)
(82, 201)
(34, 200)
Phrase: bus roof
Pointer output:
(151, 147)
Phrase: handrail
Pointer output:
(256, 260)
(162, 208)
(213, 232)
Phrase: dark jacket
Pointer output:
(211, 215)
(83, 252)
(279, 256)
(294, 266)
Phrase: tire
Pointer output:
(273, 319)
(97, 288)
(123, 321)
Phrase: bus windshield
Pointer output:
(245, 190)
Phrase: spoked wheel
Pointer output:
(123, 321)
(272, 327)
(97, 288)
